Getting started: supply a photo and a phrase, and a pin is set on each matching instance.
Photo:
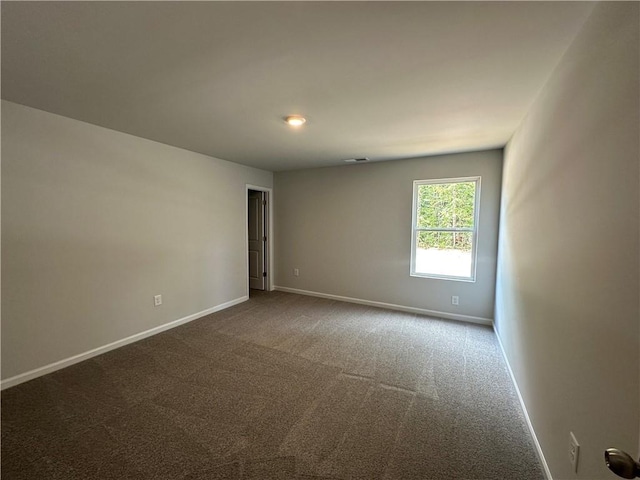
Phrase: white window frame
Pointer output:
(474, 230)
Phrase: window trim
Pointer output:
(474, 230)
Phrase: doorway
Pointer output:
(258, 238)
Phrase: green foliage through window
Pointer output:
(445, 240)
(446, 206)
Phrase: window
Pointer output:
(444, 228)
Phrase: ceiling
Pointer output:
(383, 80)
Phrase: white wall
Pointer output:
(348, 230)
(95, 222)
(567, 299)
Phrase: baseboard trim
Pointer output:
(390, 306)
(543, 461)
(38, 372)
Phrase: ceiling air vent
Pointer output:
(357, 160)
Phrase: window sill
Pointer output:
(443, 277)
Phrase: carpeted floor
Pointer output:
(280, 387)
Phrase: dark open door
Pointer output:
(257, 240)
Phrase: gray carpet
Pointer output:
(280, 387)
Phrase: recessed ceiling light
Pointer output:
(295, 120)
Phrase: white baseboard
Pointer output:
(543, 461)
(391, 306)
(38, 372)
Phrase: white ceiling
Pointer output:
(384, 80)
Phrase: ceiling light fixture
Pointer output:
(295, 120)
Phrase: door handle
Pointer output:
(621, 463)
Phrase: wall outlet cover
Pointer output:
(574, 451)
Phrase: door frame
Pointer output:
(268, 228)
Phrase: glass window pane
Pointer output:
(446, 205)
(444, 253)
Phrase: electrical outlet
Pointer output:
(455, 300)
(574, 451)
(157, 300)
(296, 272)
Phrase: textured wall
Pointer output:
(95, 222)
(567, 289)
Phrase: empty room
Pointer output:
(320, 240)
